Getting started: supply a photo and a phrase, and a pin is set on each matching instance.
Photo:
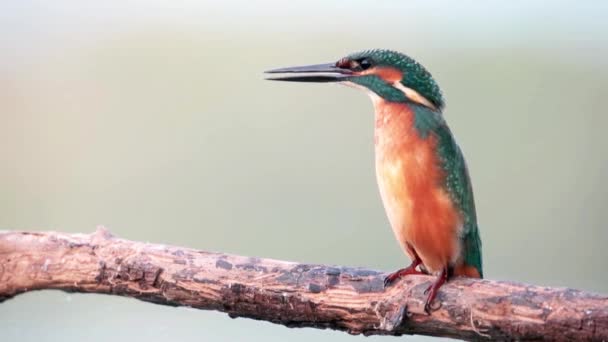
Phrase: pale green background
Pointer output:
(152, 118)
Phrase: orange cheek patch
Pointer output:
(390, 75)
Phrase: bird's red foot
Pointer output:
(411, 269)
(433, 289)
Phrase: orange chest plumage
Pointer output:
(410, 179)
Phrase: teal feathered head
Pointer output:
(388, 74)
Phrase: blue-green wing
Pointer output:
(459, 186)
(457, 181)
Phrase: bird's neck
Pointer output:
(394, 123)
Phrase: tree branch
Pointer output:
(295, 295)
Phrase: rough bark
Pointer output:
(296, 295)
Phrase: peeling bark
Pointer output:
(296, 295)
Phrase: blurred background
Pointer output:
(153, 118)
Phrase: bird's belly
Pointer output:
(419, 210)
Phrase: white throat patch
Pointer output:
(375, 98)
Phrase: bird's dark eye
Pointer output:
(354, 64)
(365, 63)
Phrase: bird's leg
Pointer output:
(434, 288)
(411, 269)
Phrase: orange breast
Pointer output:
(410, 179)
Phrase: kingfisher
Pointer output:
(420, 170)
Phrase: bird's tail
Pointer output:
(465, 270)
(471, 264)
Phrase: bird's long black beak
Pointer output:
(311, 73)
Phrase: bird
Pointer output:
(421, 172)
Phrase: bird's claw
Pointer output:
(428, 289)
(427, 308)
(389, 279)
(427, 304)
(392, 277)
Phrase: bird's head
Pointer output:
(389, 75)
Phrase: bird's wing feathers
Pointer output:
(459, 186)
